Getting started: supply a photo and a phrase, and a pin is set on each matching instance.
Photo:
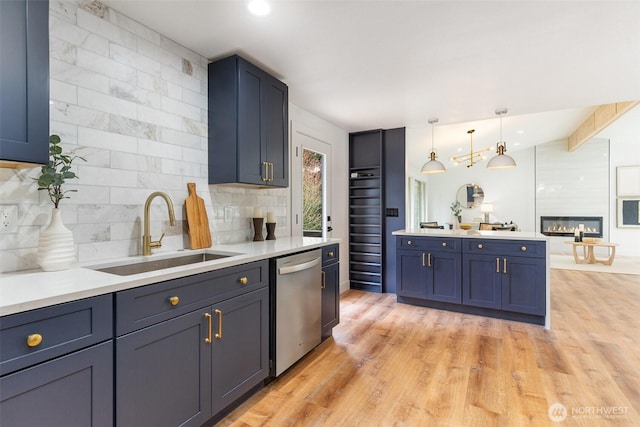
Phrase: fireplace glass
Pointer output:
(566, 225)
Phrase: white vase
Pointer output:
(56, 250)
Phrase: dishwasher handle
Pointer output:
(298, 267)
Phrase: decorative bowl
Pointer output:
(590, 239)
(465, 226)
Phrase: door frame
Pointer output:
(304, 137)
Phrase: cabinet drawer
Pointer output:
(38, 335)
(443, 244)
(505, 247)
(147, 305)
(330, 254)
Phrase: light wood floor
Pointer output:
(392, 364)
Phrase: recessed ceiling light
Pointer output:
(259, 7)
(520, 132)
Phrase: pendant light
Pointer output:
(433, 165)
(502, 160)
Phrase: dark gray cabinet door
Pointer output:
(276, 122)
(523, 285)
(24, 81)
(251, 151)
(411, 274)
(72, 390)
(482, 281)
(240, 358)
(444, 281)
(163, 374)
(330, 298)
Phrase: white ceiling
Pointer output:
(384, 64)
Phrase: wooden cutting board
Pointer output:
(197, 220)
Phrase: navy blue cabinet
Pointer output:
(57, 365)
(72, 390)
(24, 82)
(509, 275)
(190, 347)
(163, 374)
(248, 125)
(430, 269)
(494, 277)
(240, 346)
(330, 316)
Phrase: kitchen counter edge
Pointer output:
(32, 289)
(474, 234)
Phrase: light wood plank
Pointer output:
(392, 364)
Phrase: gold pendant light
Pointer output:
(472, 157)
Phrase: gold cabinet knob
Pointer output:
(409, 242)
(331, 254)
(523, 249)
(444, 244)
(480, 246)
(34, 340)
(244, 280)
(174, 300)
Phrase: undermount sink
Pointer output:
(129, 268)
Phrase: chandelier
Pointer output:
(472, 157)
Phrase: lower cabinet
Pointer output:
(430, 275)
(509, 283)
(240, 347)
(330, 313)
(72, 390)
(495, 277)
(185, 370)
(163, 374)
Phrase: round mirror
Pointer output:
(470, 196)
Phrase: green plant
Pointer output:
(56, 172)
(456, 208)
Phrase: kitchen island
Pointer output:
(500, 274)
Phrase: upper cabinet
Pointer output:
(24, 83)
(248, 125)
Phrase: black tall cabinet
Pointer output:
(376, 206)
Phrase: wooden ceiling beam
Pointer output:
(602, 117)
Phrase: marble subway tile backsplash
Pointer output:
(133, 103)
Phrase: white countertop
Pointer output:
(31, 289)
(438, 232)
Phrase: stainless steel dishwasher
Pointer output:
(297, 307)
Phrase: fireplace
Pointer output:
(566, 225)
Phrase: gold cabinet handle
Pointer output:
(480, 246)
(244, 280)
(423, 263)
(331, 254)
(265, 168)
(497, 265)
(504, 266)
(523, 249)
(271, 166)
(174, 300)
(444, 244)
(324, 280)
(208, 339)
(34, 340)
(429, 260)
(219, 314)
